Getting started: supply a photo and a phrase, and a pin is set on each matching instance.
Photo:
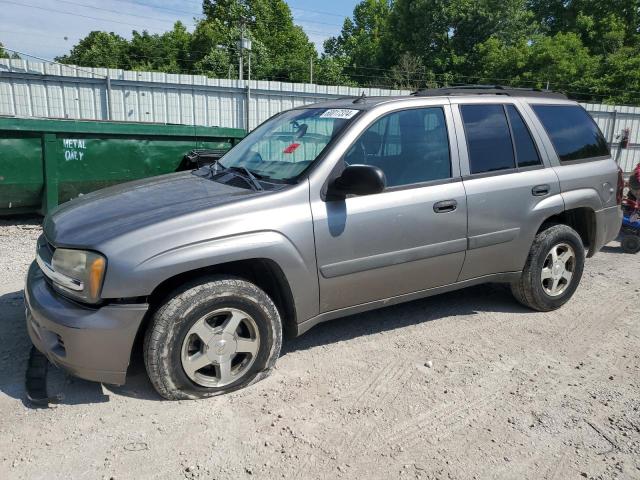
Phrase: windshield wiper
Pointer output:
(250, 176)
(214, 166)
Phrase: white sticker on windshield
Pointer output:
(343, 113)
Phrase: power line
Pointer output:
(333, 14)
(320, 33)
(320, 12)
(117, 12)
(157, 7)
(26, 34)
(79, 69)
(68, 13)
(192, 12)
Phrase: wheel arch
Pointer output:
(263, 272)
(582, 219)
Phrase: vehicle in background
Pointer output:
(630, 231)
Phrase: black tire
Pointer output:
(172, 321)
(528, 290)
(630, 244)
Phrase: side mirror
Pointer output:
(357, 180)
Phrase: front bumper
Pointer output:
(90, 343)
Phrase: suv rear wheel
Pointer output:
(212, 337)
(553, 270)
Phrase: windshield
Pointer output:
(285, 146)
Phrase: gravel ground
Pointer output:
(464, 385)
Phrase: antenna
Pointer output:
(361, 99)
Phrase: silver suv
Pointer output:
(321, 212)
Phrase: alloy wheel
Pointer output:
(558, 269)
(220, 347)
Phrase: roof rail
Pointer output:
(489, 90)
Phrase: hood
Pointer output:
(99, 216)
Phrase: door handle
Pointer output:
(540, 190)
(445, 206)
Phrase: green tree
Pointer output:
(332, 71)
(280, 49)
(444, 32)
(361, 45)
(167, 52)
(619, 81)
(4, 53)
(602, 26)
(588, 48)
(99, 49)
(561, 60)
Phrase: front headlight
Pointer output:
(82, 273)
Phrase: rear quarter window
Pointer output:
(573, 133)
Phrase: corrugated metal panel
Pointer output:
(36, 89)
(612, 119)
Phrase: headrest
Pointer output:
(372, 142)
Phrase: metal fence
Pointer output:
(36, 89)
(612, 119)
(49, 90)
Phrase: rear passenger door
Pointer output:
(510, 186)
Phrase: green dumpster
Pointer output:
(47, 162)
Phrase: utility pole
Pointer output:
(240, 51)
(109, 101)
(245, 44)
(311, 71)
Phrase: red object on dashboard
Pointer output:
(291, 148)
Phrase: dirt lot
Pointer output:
(464, 385)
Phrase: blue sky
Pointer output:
(39, 27)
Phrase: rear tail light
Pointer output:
(620, 192)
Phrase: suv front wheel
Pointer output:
(211, 337)
(553, 270)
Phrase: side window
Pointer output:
(411, 146)
(526, 151)
(574, 134)
(488, 138)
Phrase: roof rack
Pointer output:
(489, 90)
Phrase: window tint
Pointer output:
(526, 152)
(573, 132)
(488, 138)
(410, 147)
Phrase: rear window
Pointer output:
(574, 134)
(525, 148)
(488, 138)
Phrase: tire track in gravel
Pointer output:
(593, 322)
(583, 328)
(410, 430)
(376, 389)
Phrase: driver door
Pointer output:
(410, 237)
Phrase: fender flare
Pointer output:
(148, 274)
